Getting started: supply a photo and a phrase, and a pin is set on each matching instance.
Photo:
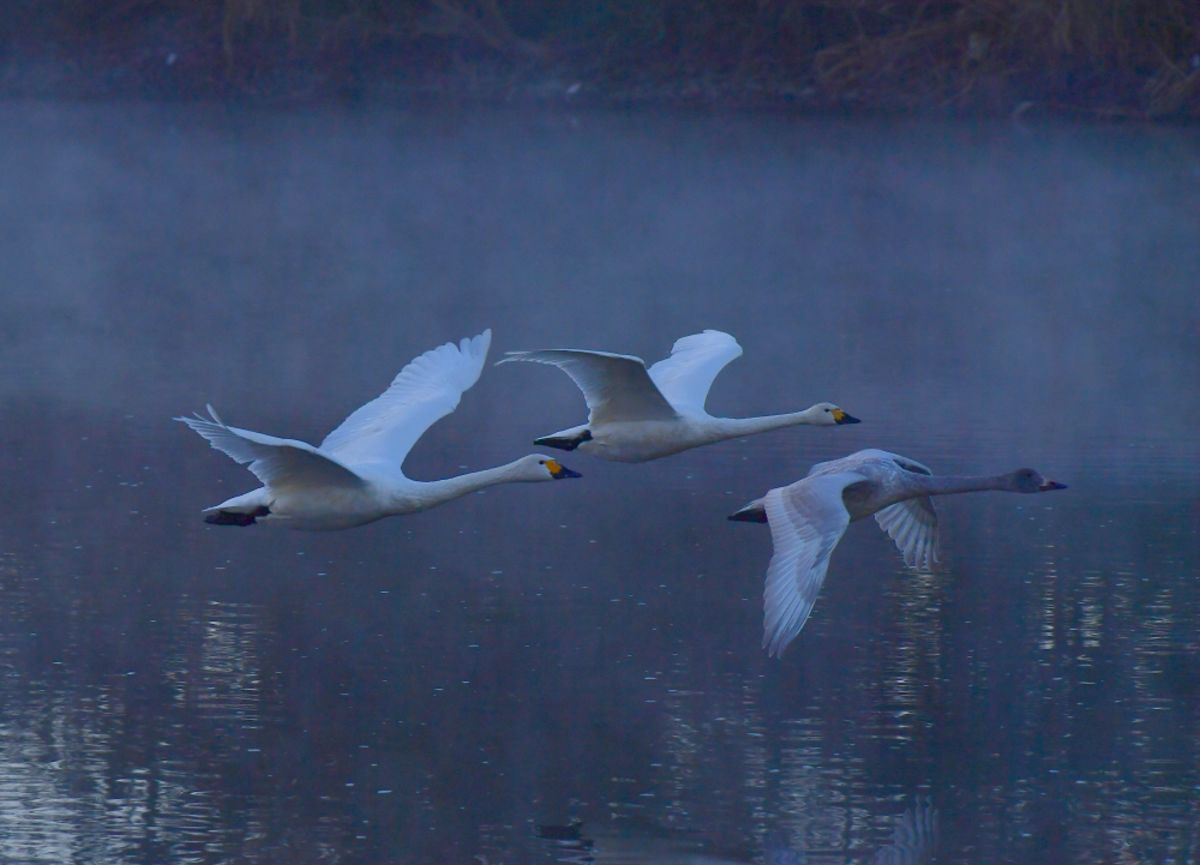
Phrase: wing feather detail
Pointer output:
(686, 377)
(617, 387)
(912, 525)
(807, 520)
(426, 390)
(276, 462)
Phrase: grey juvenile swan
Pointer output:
(637, 414)
(355, 476)
(808, 518)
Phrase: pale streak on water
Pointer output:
(430, 689)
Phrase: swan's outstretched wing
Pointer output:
(384, 430)
(616, 386)
(276, 462)
(687, 375)
(807, 520)
(912, 524)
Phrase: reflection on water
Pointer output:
(431, 689)
(83, 777)
(913, 841)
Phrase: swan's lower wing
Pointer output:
(276, 462)
(912, 524)
(429, 387)
(687, 375)
(617, 387)
(807, 520)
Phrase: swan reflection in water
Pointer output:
(914, 842)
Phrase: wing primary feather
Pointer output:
(912, 526)
(616, 387)
(807, 520)
(428, 388)
(687, 375)
(274, 461)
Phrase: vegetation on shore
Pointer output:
(1107, 58)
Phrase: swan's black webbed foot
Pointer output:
(563, 443)
(236, 518)
(749, 514)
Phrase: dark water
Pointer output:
(430, 688)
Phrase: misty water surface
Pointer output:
(430, 688)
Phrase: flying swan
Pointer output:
(355, 476)
(637, 414)
(808, 518)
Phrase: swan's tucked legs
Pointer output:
(755, 512)
(237, 518)
(565, 443)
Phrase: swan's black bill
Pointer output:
(845, 417)
(558, 471)
(563, 443)
(1051, 485)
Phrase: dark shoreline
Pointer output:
(967, 58)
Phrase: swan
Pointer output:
(808, 518)
(637, 414)
(355, 476)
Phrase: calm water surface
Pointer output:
(430, 689)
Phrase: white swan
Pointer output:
(355, 476)
(637, 414)
(808, 518)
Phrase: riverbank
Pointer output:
(1105, 59)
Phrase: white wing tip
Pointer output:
(774, 645)
(473, 347)
(198, 419)
(510, 356)
(472, 343)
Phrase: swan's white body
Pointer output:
(355, 476)
(637, 414)
(808, 518)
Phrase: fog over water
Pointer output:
(430, 688)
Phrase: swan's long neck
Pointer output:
(733, 427)
(433, 493)
(944, 485)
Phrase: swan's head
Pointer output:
(828, 414)
(1032, 481)
(536, 467)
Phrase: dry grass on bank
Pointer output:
(1102, 57)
